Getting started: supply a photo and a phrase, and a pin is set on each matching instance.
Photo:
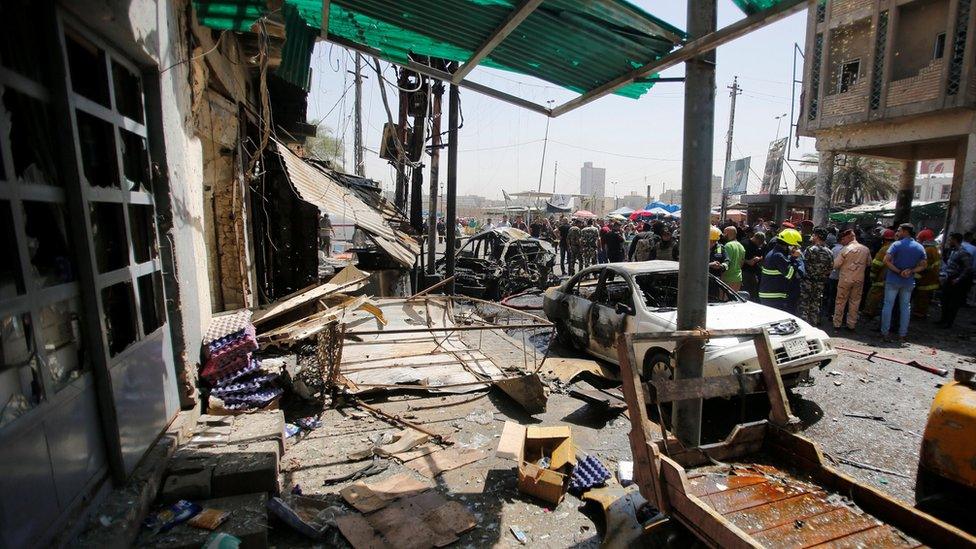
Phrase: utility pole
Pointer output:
(400, 194)
(555, 170)
(358, 137)
(417, 140)
(437, 91)
(648, 191)
(545, 143)
(734, 91)
(696, 182)
(454, 108)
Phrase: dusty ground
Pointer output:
(899, 394)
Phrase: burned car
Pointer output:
(592, 308)
(500, 262)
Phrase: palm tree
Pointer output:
(857, 179)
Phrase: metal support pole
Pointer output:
(825, 187)
(454, 108)
(906, 191)
(696, 182)
(437, 90)
(417, 151)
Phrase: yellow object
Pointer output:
(949, 443)
(714, 234)
(791, 237)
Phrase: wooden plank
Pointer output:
(754, 495)
(745, 439)
(875, 538)
(670, 390)
(645, 452)
(816, 529)
(779, 412)
(695, 334)
(778, 513)
(706, 523)
(711, 484)
(346, 279)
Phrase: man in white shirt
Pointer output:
(504, 222)
(488, 226)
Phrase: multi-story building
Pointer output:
(893, 79)
(593, 181)
(671, 196)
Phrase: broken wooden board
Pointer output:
(346, 280)
(528, 391)
(406, 440)
(368, 497)
(611, 400)
(436, 463)
(567, 369)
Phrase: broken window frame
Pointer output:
(35, 295)
(842, 86)
(126, 194)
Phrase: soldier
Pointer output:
(819, 263)
(927, 281)
(575, 250)
(589, 241)
(326, 232)
(876, 294)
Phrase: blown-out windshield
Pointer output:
(660, 290)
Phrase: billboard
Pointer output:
(774, 166)
(737, 175)
(933, 167)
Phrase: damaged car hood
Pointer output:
(727, 316)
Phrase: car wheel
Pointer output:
(657, 366)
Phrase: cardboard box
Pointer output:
(527, 445)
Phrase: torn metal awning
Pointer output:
(624, 49)
(321, 189)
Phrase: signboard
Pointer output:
(774, 166)
(737, 175)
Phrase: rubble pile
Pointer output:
(236, 379)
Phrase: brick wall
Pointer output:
(924, 86)
(841, 8)
(852, 101)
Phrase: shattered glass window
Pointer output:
(20, 384)
(51, 258)
(135, 161)
(11, 279)
(31, 144)
(96, 138)
(120, 316)
(86, 65)
(143, 232)
(61, 342)
(128, 92)
(108, 231)
(151, 302)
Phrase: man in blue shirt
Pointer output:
(905, 257)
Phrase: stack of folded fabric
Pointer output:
(237, 382)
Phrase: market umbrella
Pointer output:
(584, 213)
(658, 211)
(617, 216)
(639, 214)
(623, 210)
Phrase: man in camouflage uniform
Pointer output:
(573, 242)
(589, 240)
(819, 263)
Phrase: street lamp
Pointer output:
(778, 119)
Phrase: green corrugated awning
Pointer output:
(577, 45)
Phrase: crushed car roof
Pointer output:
(643, 267)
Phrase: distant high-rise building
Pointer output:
(716, 190)
(593, 181)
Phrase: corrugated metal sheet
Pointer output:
(328, 195)
(618, 36)
(296, 54)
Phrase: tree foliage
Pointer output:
(857, 179)
(325, 145)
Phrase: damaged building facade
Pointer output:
(135, 171)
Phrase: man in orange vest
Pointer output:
(927, 281)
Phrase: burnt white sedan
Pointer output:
(592, 308)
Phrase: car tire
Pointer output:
(657, 365)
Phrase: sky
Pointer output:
(639, 141)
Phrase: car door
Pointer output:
(605, 322)
(576, 303)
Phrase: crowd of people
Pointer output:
(837, 273)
